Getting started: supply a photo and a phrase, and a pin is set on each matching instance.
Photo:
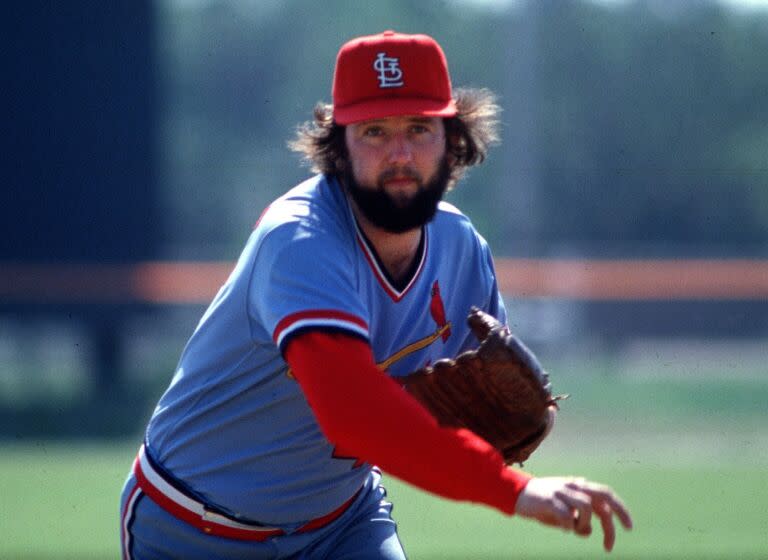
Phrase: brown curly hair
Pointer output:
(469, 134)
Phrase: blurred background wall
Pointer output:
(155, 132)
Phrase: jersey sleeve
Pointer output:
(304, 279)
(492, 301)
(495, 300)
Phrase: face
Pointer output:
(398, 170)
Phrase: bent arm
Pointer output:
(366, 414)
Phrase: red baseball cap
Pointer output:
(391, 74)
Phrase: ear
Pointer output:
(455, 145)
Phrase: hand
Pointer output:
(569, 503)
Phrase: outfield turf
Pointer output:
(689, 458)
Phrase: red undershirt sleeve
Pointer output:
(366, 414)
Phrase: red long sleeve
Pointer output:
(368, 415)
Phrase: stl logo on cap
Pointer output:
(390, 74)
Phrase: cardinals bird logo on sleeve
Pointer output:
(437, 310)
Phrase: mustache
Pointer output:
(400, 173)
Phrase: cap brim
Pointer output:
(392, 107)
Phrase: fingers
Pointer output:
(604, 504)
(604, 494)
(580, 506)
(603, 512)
(538, 501)
(562, 515)
(569, 503)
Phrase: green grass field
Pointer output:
(690, 458)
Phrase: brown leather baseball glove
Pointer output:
(499, 391)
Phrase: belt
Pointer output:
(187, 508)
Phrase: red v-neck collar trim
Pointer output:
(381, 276)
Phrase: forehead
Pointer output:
(398, 120)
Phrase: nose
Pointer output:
(401, 150)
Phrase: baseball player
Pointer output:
(269, 439)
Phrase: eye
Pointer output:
(419, 129)
(373, 131)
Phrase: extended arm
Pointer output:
(368, 415)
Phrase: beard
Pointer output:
(397, 214)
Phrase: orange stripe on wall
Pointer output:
(634, 279)
(197, 282)
(179, 282)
